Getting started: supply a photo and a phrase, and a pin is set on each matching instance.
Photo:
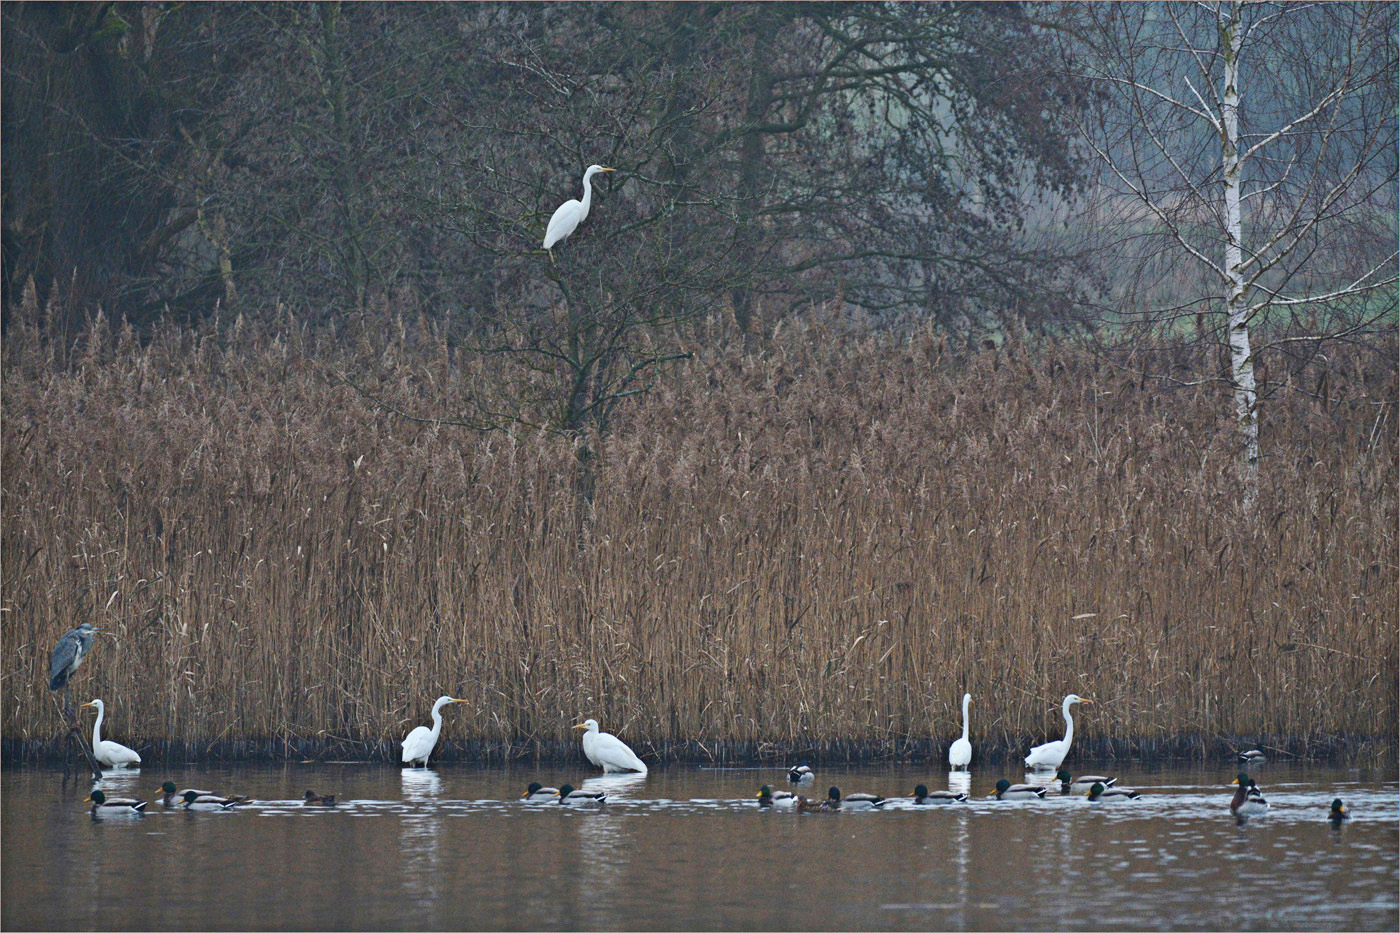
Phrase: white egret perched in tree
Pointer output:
(1051, 755)
(960, 752)
(419, 743)
(111, 754)
(607, 751)
(572, 212)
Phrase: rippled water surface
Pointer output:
(687, 848)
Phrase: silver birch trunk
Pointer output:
(1236, 305)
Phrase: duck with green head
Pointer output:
(777, 799)
(923, 796)
(1338, 813)
(1098, 793)
(1079, 785)
(834, 800)
(1008, 791)
(569, 797)
(170, 797)
(102, 804)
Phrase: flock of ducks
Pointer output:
(610, 753)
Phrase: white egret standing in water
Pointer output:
(960, 752)
(419, 743)
(607, 751)
(1051, 755)
(111, 754)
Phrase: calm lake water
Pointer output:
(685, 848)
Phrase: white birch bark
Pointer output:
(1236, 304)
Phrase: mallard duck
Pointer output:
(804, 805)
(922, 796)
(1082, 783)
(108, 753)
(834, 800)
(1100, 794)
(1249, 799)
(1253, 757)
(581, 798)
(169, 797)
(194, 800)
(418, 745)
(801, 774)
(1051, 755)
(313, 799)
(779, 799)
(101, 803)
(1338, 813)
(607, 751)
(1008, 791)
(960, 752)
(538, 793)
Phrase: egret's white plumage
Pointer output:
(571, 213)
(419, 743)
(960, 752)
(1048, 757)
(607, 751)
(111, 754)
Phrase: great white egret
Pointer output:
(1249, 799)
(607, 751)
(170, 797)
(419, 743)
(1079, 785)
(313, 799)
(1100, 794)
(778, 799)
(581, 798)
(960, 752)
(101, 803)
(1051, 755)
(538, 793)
(801, 774)
(922, 796)
(111, 754)
(1008, 791)
(1338, 812)
(834, 800)
(571, 213)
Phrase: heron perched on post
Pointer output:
(67, 655)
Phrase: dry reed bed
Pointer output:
(814, 550)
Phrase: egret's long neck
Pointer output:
(1069, 725)
(587, 197)
(97, 727)
(964, 720)
(437, 721)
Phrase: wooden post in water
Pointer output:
(75, 736)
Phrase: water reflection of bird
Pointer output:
(420, 742)
(1338, 813)
(102, 804)
(111, 754)
(777, 799)
(801, 774)
(1051, 755)
(1082, 783)
(1249, 799)
(960, 752)
(569, 797)
(1253, 757)
(537, 793)
(923, 796)
(313, 799)
(607, 751)
(1008, 791)
(1100, 794)
(834, 800)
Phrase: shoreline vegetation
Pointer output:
(809, 550)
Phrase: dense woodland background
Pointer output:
(863, 385)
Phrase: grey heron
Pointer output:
(67, 655)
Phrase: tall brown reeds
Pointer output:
(815, 549)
